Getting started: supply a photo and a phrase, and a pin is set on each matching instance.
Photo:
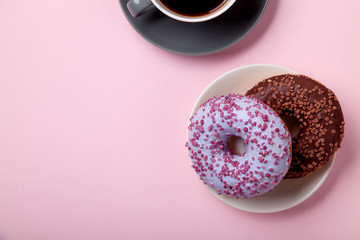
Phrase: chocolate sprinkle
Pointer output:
(317, 111)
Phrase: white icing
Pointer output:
(249, 175)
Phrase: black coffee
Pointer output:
(193, 8)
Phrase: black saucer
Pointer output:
(197, 38)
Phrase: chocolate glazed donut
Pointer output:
(312, 113)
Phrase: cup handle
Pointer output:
(137, 6)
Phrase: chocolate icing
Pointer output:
(316, 110)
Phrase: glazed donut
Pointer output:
(306, 103)
(265, 136)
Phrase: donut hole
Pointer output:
(292, 124)
(237, 146)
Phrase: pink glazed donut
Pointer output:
(265, 136)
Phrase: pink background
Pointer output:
(92, 148)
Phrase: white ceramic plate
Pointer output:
(290, 192)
